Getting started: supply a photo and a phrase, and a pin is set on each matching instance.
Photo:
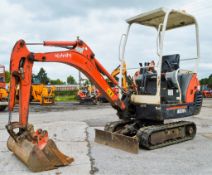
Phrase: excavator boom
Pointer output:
(80, 57)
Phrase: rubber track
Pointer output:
(145, 133)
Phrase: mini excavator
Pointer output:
(169, 93)
(87, 94)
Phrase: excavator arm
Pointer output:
(34, 148)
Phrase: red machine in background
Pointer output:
(206, 91)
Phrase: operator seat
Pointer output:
(170, 66)
(170, 63)
(170, 86)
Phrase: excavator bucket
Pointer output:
(125, 143)
(37, 159)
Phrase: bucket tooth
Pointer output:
(125, 143)
(37, 159)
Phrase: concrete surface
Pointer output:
(59, 106)
(70, 139)
(73, 132)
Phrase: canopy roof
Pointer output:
(154, 18)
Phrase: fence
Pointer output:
(70, 87)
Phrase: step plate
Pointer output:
(125, 143)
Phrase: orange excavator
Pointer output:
(87, 94)
(168, 93)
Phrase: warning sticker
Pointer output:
(110, 92)
(170, 92)
(180, 111)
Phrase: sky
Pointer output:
(100, 24)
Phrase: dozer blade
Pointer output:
(126, 143)
(37, 159)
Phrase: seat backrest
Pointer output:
(1, 79)
(172, 78)
(170, 63)
(184, 80)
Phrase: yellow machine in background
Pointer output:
(126, 82)
(41, 93)
(3, 91)
(3, 98)
(44, 94)
(116, 71)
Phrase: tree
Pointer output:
(7, 76)
(42, 76)
(207, 81)
(57, 82)
(210, 81)
(204, 81)
(87, 82)
(71, 80)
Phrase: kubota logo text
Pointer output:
(62, 55)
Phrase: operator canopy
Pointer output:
(154, 18)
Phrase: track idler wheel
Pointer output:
(39, 153)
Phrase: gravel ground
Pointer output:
(74, 128)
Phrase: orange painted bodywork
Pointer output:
(81, 95)
(78, 55)
(192, 88)
(42, 138)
